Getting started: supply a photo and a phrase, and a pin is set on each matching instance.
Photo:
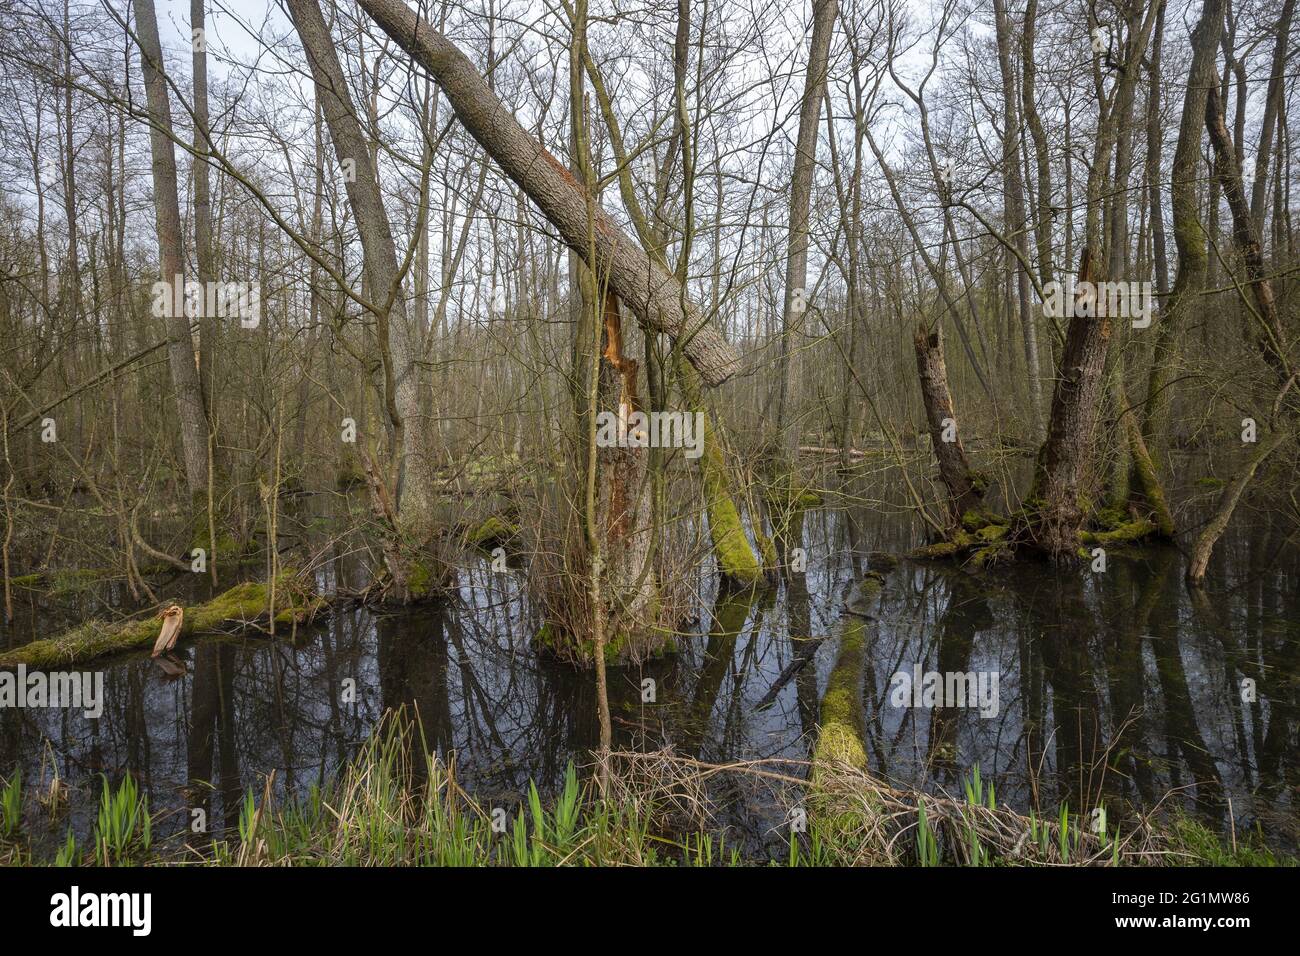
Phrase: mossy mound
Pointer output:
(653, 644)
(981, 542)
(495, 530)
(1128, 532)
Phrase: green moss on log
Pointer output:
(839, 741)
(495, 529)
(937, 551)
(243, 605)
(1128, 532)
(840, 737)
(1152, 490)
(736, 558)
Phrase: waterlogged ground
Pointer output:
(1120, 684)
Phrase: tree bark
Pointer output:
(1070, 430)
(167, 212)
(965, 491)
(399, 345)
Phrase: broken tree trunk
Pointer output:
(624, 505)
(656, 297)
(965, 488)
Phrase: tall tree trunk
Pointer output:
(1272, 107)
(202, 197)
(1042, 160)
(1189, 235)
(1155, 150)
(1014, 216)
(1069, 438)
(180, 344)
(399, 345)
(796, 261)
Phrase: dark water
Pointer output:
(1120, 686)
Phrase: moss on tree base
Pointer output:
(622, 650)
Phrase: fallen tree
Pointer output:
(243, 606)
(656, 297)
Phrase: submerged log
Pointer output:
(839, 741)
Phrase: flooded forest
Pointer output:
(848, 432)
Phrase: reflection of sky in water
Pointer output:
(1077, 658)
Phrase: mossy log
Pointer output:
(737, 562)
(242, 606)
(493, 531)
(839, 740)
(982, 541)
(736, 559)
(1147, 478)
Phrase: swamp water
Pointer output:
(1121, 684)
